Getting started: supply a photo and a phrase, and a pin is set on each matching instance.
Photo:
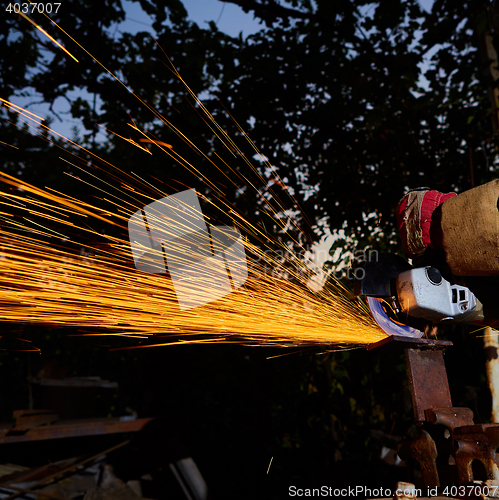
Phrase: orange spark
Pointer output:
(15, 147)
(19, 108)
(130, 140)
(159, 143)
(49, 284)
(48, 36)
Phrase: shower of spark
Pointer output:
(46, 279)
(46, 283)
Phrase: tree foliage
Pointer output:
(343, 84)
(331, 93)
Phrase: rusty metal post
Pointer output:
(474, 447)
(428, 381)
(491, 345)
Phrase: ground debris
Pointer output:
(111, 488)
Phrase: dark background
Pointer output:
(344, 90)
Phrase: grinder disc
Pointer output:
(378, 308)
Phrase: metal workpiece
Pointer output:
(397, 344)
(428, 381)
(426, 371)
(449, 447)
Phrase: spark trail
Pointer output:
(45, 280)
(46, 283)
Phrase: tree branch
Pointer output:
(269, 10)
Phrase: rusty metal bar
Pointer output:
(27, 419)
(425, 368)
(73, 429)
(428, 381)
(396, 343)
(62, 472)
